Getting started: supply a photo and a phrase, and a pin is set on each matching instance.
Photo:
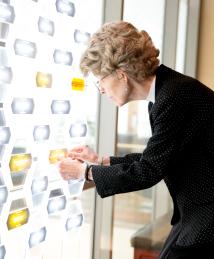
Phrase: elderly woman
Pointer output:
(181, 148)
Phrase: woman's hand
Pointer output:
(71, 169)
(83, 153)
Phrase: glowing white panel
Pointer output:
(22, 105)
(60, 106)
(41, 132)
(2, 118)
(2, 252)
(6, 13)
(46, 26)
(78, 130)
(5, 75)
(4, 28)
(4, 135)
(57, 201)
(37, 237)
(39, 185)
(25, 48)
(75, 187)
(81, 37)
(65, 7)
(74, 222)
(3, 194)
(63, 57)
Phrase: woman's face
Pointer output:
(115, 87)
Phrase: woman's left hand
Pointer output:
(71, 169)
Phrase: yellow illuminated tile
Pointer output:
(78, 84)
(57, 154)
(43, 80)
(17, 218)
(20, 162)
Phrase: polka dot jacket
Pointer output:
(180, 151)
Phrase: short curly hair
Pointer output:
(119, 45)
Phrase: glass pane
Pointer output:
(133, 210)
(46, 108)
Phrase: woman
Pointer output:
(181, 148)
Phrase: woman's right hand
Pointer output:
(84, 154)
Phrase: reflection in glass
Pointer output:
(3, 194)
(20, 162)
(74, 222)
(25, 48)
(2, 252)
(60, 106)
(4, 135)
(81, 37)
(39, 185)
(22, 105)
(63, 57)
(57, 154)
(5, 75)
(78, 84)
(37, 237)
(65, 7)
(4, 29)
(46, 26)
(17, 218)
(41, 132)
(78, 130)
(43, 80)
(7, 13)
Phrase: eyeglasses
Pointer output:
(97, 82)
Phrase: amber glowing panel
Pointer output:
(56, 154)
(17, 218)
(20, 162)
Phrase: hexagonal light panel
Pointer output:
(65, 7)
(41, 132)
(2, 252)
(4, 135)
(22, 105)
(57, 154)
(74, 221)
(60, 107)
(43, 80)
(5, 75)
(25, 48)
(78, 130)
(81, 37)
(37, 237)
(7, 13)
(63, 57)
(46, 26)
(57, 201)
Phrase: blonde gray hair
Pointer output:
(119, 45)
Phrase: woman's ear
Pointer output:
(121, 75)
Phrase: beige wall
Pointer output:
(205, 69)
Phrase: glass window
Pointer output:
(133, 210)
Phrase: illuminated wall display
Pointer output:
(17, 218)
(46, 108)
(41, 132)
(65, 7)
(22, 105)
(43, 80)
(46, 26)
(37, 237)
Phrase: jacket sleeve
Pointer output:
(130, 158)
(169, 121)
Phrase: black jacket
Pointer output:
(180, 151)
